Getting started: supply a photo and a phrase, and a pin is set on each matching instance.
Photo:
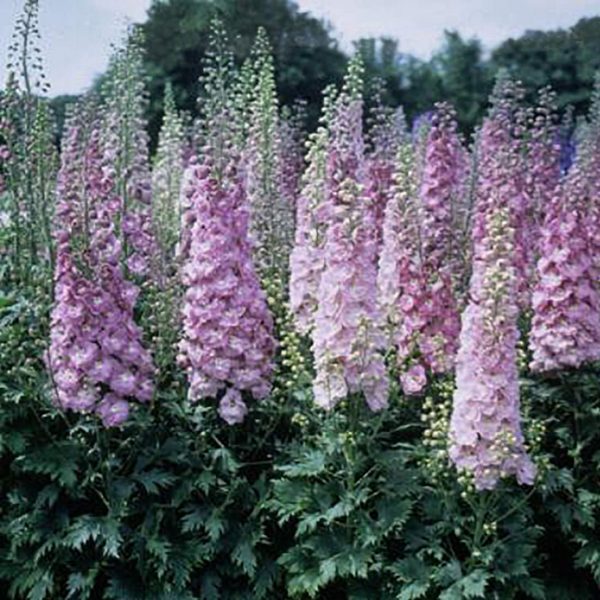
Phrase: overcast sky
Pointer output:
(77, 33)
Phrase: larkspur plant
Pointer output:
(240, 370)
(271, 205)
(228, 343)
(27, 154)
(126, 143)
(347, 336)
(96, 358)
(306, 260)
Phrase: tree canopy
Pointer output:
(307, 58)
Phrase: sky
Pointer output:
(77, 34)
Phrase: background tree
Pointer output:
(307, 58)
(306, 55)
(563, 59)
(466, 80)
(457, 73)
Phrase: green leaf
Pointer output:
(112, 538)
(194, 520)
(81, 585)
(160, 549)
(214, 525)
(83, 530)
(243, 555)
(589, 555)
(472, 585)
(155, 479)
(43, 588)
(393, 513)
(313, 463)
(410, 569)
(225, 458)
(265, 580)
(534, 588)
(328, 570)
(413, 591)
(56, 461)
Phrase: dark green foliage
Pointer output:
(291, 504)
(167, 507)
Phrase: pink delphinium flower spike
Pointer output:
(485, 430)
(96, 357)
(347, 337)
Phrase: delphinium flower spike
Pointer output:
(126, 143)
(565, 326)
(306, 258)
(227, 346)
(271, 212)
(485, 431)
(28, 156)
(387, 132)
(419, 262)
(347, 336)
(167, 174)
(96, 358)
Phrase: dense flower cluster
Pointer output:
(388, 132)
(227, 344)
(347, 336)
(306, 258)
(96, 357)
(227, 327)
(502, 171)
(565, 330)
(440, 194)
(399, 268)
(485, 431)
(419, 260)
(543, 163)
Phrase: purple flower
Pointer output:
(68, 379)
(113, 410)
(227, 326)
(93, 339)
(413, 380)
(84, 400)
(232, 408)
(347, 337)
(565, 327)
(419, 261)
(485, 429)
(102, 369)
(306, 260)
(125, 143)
(137, 264)
(502, 178)
(123, 383)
